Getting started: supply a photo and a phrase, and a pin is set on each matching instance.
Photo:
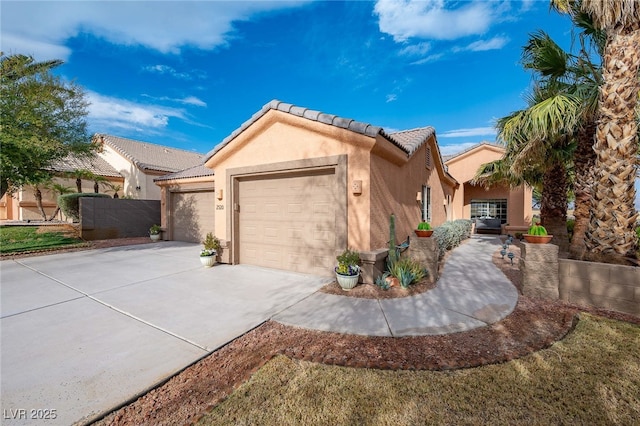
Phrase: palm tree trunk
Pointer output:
(79, 184)
(584, 163)
(553, 209)
(38, 195)
(611, 235)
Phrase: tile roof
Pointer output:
(407, 141)
(95, 164)
(149, 156)
(192, 172)
(471, 148)
(412, 139)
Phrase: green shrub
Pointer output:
(450, 234)
(70, 203)
(408, 271)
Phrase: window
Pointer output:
(426, 204)
(496, 209)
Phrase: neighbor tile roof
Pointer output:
(192, 172)
(95, 164)
(149, 156)
(407, 141)
(471, 148)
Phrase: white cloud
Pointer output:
(465, 133)
(42, 28)
(392, 97)
(192, 100)
(419, 49)
(492, 44)
(168, 70)
(431, 19)
(108, 112)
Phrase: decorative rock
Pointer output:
(425, 251)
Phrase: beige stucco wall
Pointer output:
(395, 188)
(133, 176)
(464, 167)
(279, 137)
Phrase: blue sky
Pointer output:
(186, 74)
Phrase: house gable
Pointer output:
(463, 166)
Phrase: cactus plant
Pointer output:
(537, 229)
(424, 226)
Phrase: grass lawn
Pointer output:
(591, 377)
(16, 239)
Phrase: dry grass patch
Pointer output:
(591, 377)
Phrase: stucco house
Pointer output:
(21, 205)
(293, 187)
(512, 206)
(141, 162)
(125, 162)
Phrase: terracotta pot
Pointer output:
(537, 239)
(422, 233)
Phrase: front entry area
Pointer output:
(289, 220)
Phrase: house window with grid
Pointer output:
(426, 204)
(495, 209)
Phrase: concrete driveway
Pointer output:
(84, 332)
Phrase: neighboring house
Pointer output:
(141, 162)
(512, 206)
(128, 163)
(22, 204)
(294, 187)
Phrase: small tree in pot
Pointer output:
(211, 248)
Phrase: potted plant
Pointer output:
(348, 270)
(154, 232)
(211, 248)
(424, 230)
(537, 234)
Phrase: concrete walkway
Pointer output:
(472, 292)
(82, 333)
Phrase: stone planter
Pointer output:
(423, 233)
(347, 282)
(208, 261)
(537, 239)
(154, 237)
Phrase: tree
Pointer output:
(42, 119)
(611, 235)
(58, 189)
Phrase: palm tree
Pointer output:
(611, 234)
(59, 190)
(113, 187)
(79, 175)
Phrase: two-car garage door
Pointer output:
(289, 221)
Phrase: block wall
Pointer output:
(614, 287)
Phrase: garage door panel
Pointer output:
(288, 223)
(193, 215)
